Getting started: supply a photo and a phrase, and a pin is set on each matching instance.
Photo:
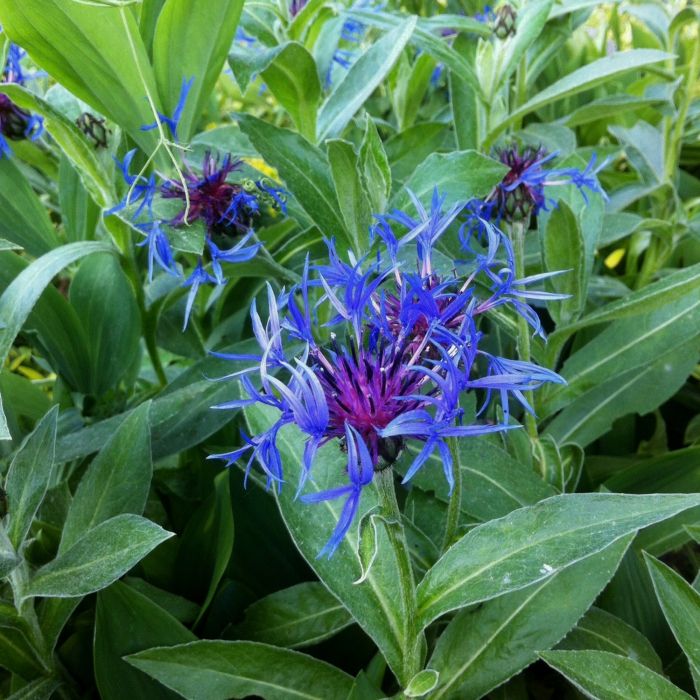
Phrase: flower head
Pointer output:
(400, 348)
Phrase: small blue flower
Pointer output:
(198, 277)
(141, 190)
(159, 249)
(239, 252)
(174, 121)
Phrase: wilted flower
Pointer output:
(403, 349)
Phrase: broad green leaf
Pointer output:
(483, 647)
(494, 484)
(206, 545)
(191, 41)
(668, 289)
(374, 603)
(17, 652)
(639, 390)
(467, 110)
(630, 343)
(411, 85)
(584, 78)
(28, 477)
(364, 76)
(602, 631)
(563, 249)
(180, 608)
(127, 622)
(24, 220)
(408, 149)
(79, 213)
(681, 605)
(290, 72)
(19, 298)
(422, 683)
(609, 107)
(117, 481)
(604, 676)
(295, 617)
(96, 52)
(530, 22)
(350, 190)
(218, 670)
(533, 543)
(73, 143)
(458, 176)
(98, 558)
(303, 167)
(104, 299)
(375, 168)
(644, 147)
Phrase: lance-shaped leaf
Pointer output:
(606, 676)
(681, 605)
(218, 670)
(28, 477)
(98, 558)
(533, 543)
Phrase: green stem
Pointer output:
(412, 637)
(518, 235)
(454, 506)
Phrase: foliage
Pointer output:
(207, 206)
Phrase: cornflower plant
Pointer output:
(403, 351)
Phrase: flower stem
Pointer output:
(453, 508)
(412, 638)
(518, 235)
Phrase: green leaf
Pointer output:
(206, 545)
(117, 481)
(218, 670)
(668, 289)
(22, 294)
(458, 176)
(609, 107)
(290, 73)
(375, 167)
(681, 605)
(602, 631)
(28, 477)
(351, 193)
(79, 213)
(127, 622)
(374, 603)
(422, 683)
(295, 617)
(96, 52)
(530, 22)
(104, 299)
(192, 40)
(9, 560)
(24, 220)
(303, 167)
(17, 652)
(532, 543)
(563, 248)
(364, 76)
(98, 558)
(408, 149)
(605, 676)
(584, 78)
(483, 647)
(39, 689)
(73, 143)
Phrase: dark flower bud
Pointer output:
(504, 24)
(94, 128)
(15, 123)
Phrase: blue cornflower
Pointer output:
(159, 249)
(13, 71)
(360, 474)
(522, 191)
(486, 15)
(141, 190)
(174, 121)
(198, 277)
(401, 353)
(239, 252)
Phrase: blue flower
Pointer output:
(360, 473)
(159, 249)
(174, 121)
(239, 252)
(141, 190)
(198, 277)
(402, 351)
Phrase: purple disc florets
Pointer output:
(392, 364)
